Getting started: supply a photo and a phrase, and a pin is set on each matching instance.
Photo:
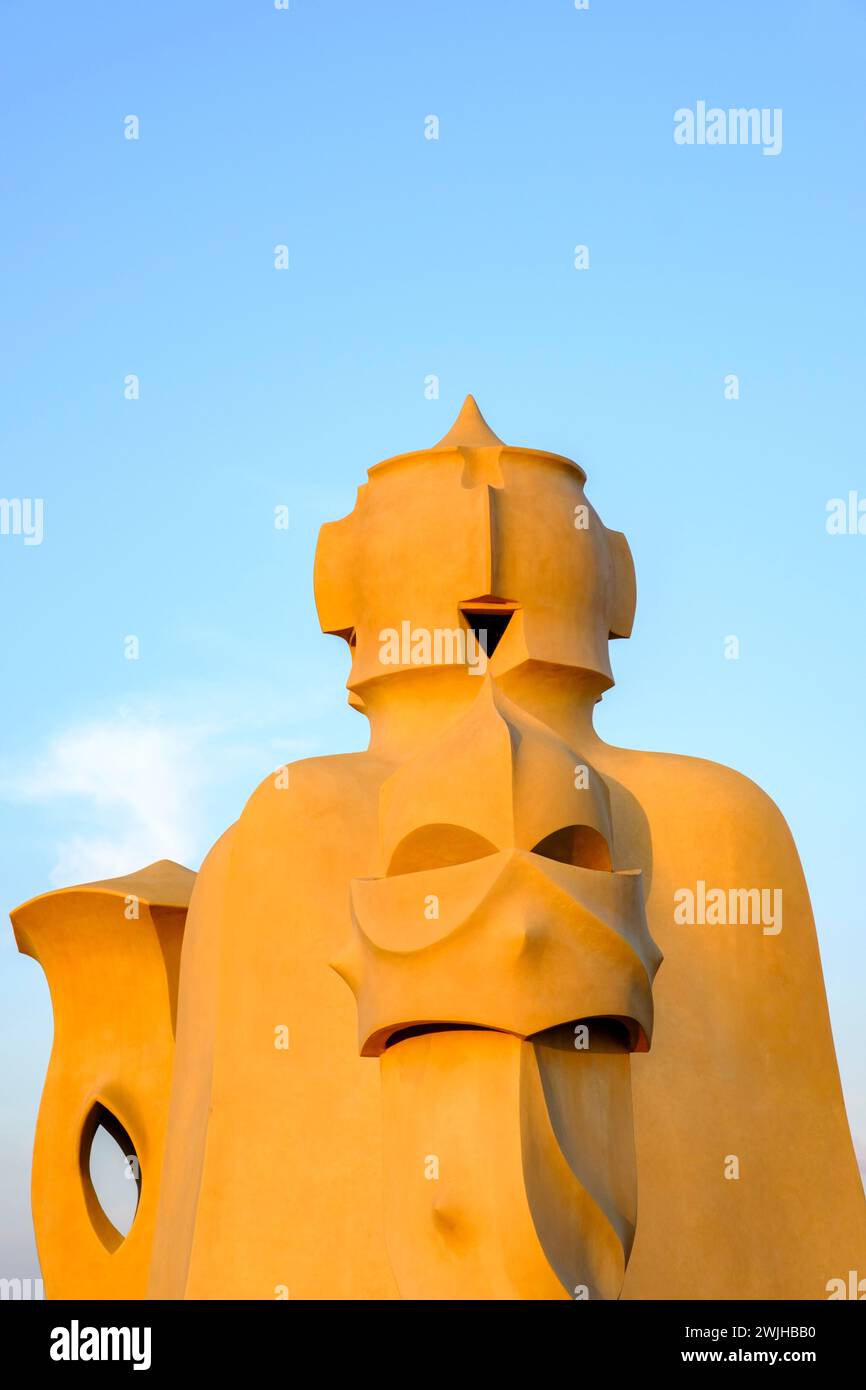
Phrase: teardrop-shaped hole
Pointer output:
(111, 1174)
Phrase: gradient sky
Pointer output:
(411, 257)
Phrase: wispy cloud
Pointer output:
(160, 778)
(130, 785)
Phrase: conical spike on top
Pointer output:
(470, 430)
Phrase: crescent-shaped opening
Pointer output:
(581, 845)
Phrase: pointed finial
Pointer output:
(470, 430)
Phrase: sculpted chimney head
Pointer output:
(473, 536)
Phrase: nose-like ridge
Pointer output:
(510, 942)
(497, 777)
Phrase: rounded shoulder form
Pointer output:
(705, 798)
(314, 785)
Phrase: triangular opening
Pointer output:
(488, 617)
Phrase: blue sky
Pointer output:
(408, 258)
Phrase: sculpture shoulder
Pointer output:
(694, 797)
(321, 794)
(313, 812)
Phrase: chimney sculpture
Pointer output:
(422, 1049)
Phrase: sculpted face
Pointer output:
(473, 532)
(501, 960)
